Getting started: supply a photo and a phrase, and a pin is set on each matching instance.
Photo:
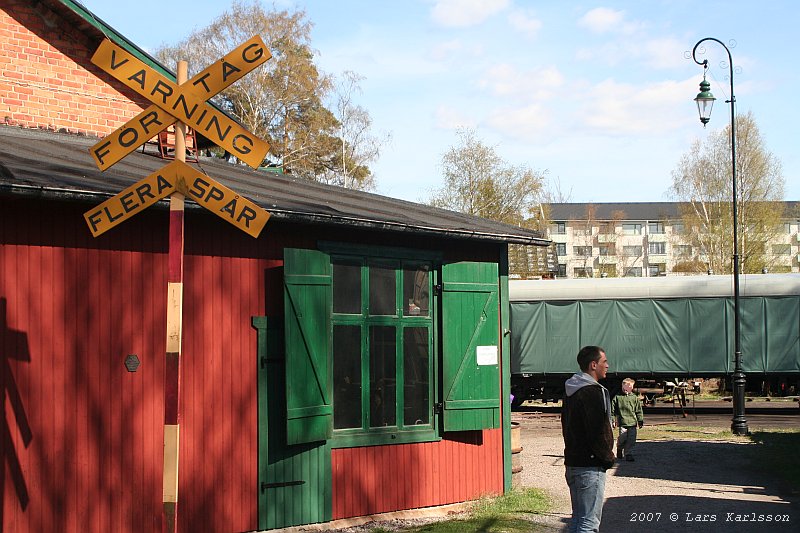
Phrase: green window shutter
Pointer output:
(470, 342)
(307, 296)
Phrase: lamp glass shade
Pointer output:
(705, 101)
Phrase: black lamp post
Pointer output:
(705, 102)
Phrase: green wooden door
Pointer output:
(471, 348)
(294, 481)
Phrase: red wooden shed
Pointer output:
(351, 360)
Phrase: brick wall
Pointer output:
(46, 76)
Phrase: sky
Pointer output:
(597, 95)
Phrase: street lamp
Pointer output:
(705, 102)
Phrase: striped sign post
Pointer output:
(180, 103)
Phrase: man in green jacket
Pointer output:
(628, 415)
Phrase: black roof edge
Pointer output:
(288, 215)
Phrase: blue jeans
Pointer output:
(586, 487)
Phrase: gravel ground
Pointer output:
(672, 486)
(686, 486)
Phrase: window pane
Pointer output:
(416, 290)
(347, 288)
(346, 377)
(382, 296)
(416, 408)
(382, 376)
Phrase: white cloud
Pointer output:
(524, 22)
(506, 80)
(665, 53)
(612, 108)
(443, 50)
(604, 20)
(527, 123)
(465, 13)
(447, 118)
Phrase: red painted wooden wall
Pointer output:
(377, 479)
(81, 438)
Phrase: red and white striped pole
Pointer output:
(172, 369)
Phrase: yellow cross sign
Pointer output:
(185, 103)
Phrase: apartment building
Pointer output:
(643, 239)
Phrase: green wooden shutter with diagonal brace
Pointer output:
(307, 305)
(470, 342)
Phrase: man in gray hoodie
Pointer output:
(588, 438)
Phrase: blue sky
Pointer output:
(597, 94)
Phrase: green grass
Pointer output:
(779, 454)
(509, 513)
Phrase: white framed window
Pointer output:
(632, 251)
(629, 228)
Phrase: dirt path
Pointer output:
(682, 486)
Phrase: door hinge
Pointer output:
(265, 486)
(437, 289)
(437, 408)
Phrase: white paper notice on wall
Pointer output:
(487, 355)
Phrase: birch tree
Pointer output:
(703, 183)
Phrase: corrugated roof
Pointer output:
(59, 165)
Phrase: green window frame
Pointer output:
(461, 359)
(383, 349)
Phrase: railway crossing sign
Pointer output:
(186, 103)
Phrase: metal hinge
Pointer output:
(437, 289)
(265, 486)
(437, 408)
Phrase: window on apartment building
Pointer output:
(561, 248)
(633, 272)
(582, 251)
(562, 270)
(631, 229)
(632, 251)
(606, 250)
(607, 228)
(581, 231)
(655, 270)
(683, 250)
(657, 248)
(560, 228)
(787, 227)
(655, 227)
(582, 272)
(610, 271)
(781, 249)
(678, 227)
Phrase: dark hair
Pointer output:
(587, 355)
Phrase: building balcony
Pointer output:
(607, 260)
(657, 237)
(606, 237)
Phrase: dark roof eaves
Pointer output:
(291, 216)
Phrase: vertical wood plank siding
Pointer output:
(82, 435)
(82, 438)
(377, 479)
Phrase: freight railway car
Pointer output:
(655, 329)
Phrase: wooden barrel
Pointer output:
(516, 455)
